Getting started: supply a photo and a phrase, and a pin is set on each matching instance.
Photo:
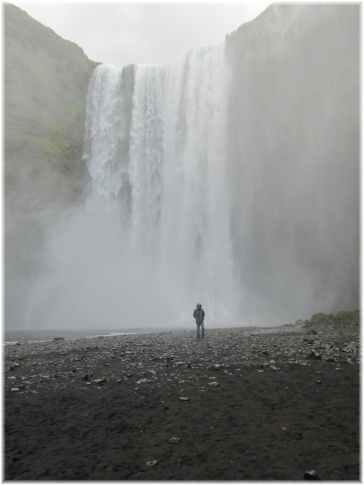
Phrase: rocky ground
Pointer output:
(244, 403)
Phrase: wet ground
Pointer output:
(242, 404)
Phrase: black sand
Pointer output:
(104, 408)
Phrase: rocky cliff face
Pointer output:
(46, 82)
(294, 122)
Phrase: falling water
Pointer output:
(229, 177)
(155, 150)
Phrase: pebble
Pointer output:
(100, 382)
(311, 475)
(141, 381)
(174, 439)
(157, 358)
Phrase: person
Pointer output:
(199, 316)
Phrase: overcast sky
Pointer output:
(146, 32)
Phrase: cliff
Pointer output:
(46, 81)
(45, 88)
(294, 118)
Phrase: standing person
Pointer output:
(199, 316)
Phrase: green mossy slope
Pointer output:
(46, 81)
(45, 91)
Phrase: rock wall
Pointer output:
(295, 156)
(46, 82)
(45, 88)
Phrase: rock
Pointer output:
(329, 359)
(213, 384)
(311, 475)
(151, 463)
(85, 377)
(314, 355)
(58, 338)
(282, 346)
(353, 346)
(141, 381)
(101, 381)
(174, 439)
(309, 341)
(182, 398)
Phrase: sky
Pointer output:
(125, 32)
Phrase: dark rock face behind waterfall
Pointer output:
(46, 80)
(294, 154)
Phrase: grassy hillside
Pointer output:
(46, 81)
(45, 86)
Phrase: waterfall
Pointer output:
(229, 177)
(155, 148)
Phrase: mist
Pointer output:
(90, 282)
(229, 177)
(294, 119)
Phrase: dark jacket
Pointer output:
(199, 315)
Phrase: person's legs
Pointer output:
(198, 331)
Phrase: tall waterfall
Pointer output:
(155, 149)
(229, 177)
